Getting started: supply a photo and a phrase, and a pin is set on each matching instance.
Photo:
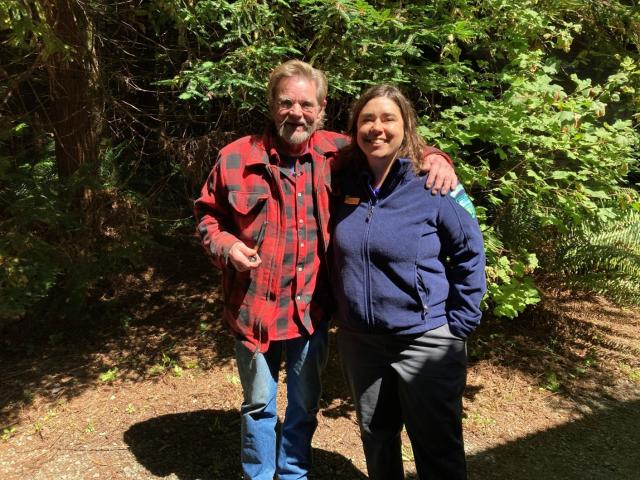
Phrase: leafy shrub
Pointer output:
(505, 86)
(54, 252)
(537, 101)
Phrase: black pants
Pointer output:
(415, 380)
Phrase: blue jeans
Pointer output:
(261, 454)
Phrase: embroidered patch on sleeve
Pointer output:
(462, 199)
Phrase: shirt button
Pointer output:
(299, 194)
(302, 245)
(298, 297)
(300, 220)
(299, 269)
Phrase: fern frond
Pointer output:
(604, 258)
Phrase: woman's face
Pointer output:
(380, 130)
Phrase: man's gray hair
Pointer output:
(297, 68)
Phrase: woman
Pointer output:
(408, 276)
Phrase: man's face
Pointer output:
(296, 111)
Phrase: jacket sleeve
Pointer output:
(212, 212)
(464, 260)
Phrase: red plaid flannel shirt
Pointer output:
(242, 196)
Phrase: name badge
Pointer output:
(351, 200)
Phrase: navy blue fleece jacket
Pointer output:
(405, 261)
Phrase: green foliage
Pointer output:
(381, 39)
(49, 256)
(25, 22)
(544, 159)
(109, 376)
(632, 373)
(603, 257)
(29, 264)
(7, 433)
(551, 382)
(167, 362)
(538, 101)
(510, 287)
(541, 147)
(248, 41)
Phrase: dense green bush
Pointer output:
(497, 83)
(54, 254)
(536, 100)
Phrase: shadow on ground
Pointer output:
(170, 314)
(564, 339)
(166, 314)
(601, 446)
(205, 445)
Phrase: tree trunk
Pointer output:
(74, 103)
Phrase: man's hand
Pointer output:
(243, 258)
(442, 177)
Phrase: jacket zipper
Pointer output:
(367, 272)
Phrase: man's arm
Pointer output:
(442, 177)
(212, 212)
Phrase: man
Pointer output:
(263, 216)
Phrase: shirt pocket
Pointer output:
(249, 213)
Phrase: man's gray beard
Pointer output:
(295, 137)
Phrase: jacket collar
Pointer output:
(399, 174)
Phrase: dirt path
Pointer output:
(149, 390)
